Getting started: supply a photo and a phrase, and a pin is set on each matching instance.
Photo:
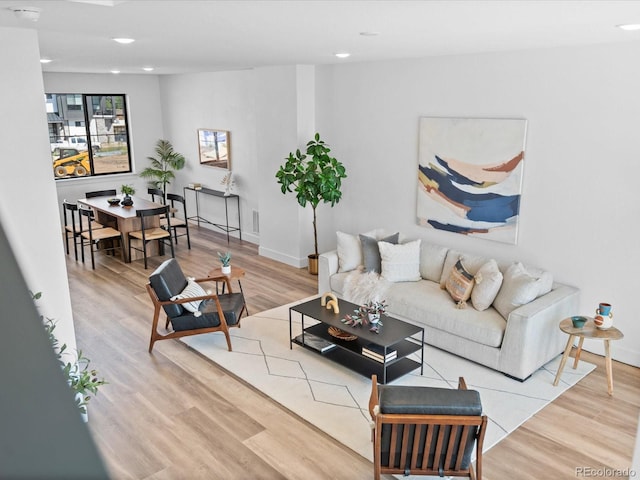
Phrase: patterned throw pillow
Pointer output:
(192, 290)
(459, 284)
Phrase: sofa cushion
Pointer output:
(371, 251)
(349, 252)
(349, 249)
(400, 263)
(518, 288)
(432, 259)
(460, 284)
(471, 262)
(488, 283)
(424, 302)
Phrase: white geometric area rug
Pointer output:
(335, 399)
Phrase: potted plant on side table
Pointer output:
(314, 177)
(225, 260)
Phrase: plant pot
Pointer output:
(226, 270)
(127, 201)
(374, 318)
(313, 264)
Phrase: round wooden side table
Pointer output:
(589, 330)
(236, 274)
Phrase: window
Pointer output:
(88, 134)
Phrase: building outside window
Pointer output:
(88, 134)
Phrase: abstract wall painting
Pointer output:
(470, 176)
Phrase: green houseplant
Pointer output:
(225, 260)
(315, 177)
(81, 378)
(160, 173)
(127, 190)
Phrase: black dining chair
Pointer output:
(101, 193)
(177, 222)
(156, 192)
(148, 234)
(71, 225)
(94, 238)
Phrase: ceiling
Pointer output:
(194, 36)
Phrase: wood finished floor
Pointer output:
(174, 414)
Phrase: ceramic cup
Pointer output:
(604, 309)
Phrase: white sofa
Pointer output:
(516, 342)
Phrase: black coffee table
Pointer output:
(394, 335)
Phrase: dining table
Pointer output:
(124, 219)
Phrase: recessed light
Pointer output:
(629, 26)
(369, 34)
(342, 54)
(148, 69)
(115, 72)
(45, 60)
(124, 40)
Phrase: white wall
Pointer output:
(580, 205)
(145, 125)
(28, 206)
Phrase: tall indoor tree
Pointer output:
(314, 177)
(160, 172)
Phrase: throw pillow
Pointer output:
(400, 263)
(472, 263)
(192, 290)
(459, 284)
(488, 283)
(432, 259)
(349, 252)
(518, 288)
(371, 251)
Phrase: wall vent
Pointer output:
(256, 222)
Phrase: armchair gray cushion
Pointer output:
(427, 401)
(167, 281)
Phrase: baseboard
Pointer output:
(618, 352)
(281, 257)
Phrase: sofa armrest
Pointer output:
(532, 336)
(327, 266)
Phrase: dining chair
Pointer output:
(71, 225)
(148, 234)
(156, 192)
(98, 238)
(177, 222)
(189, 308)
(101, 193)
(426, 430)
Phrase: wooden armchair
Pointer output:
(190, 309)
(426, 431)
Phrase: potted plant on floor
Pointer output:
(314, 177)
(162, 168)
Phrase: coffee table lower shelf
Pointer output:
(349, 354)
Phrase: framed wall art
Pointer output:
(470, 176)
(214, 147)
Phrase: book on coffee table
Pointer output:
(376, 352)
(315, 342)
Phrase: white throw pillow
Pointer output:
(349, 249)
(518, 288)
(400, 263)
(349, 252)
(192, 290)
(488, 283)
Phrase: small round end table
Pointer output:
(589, 330)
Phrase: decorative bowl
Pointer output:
(113, 201)
(578, 322)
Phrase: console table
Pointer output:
(215, 193)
